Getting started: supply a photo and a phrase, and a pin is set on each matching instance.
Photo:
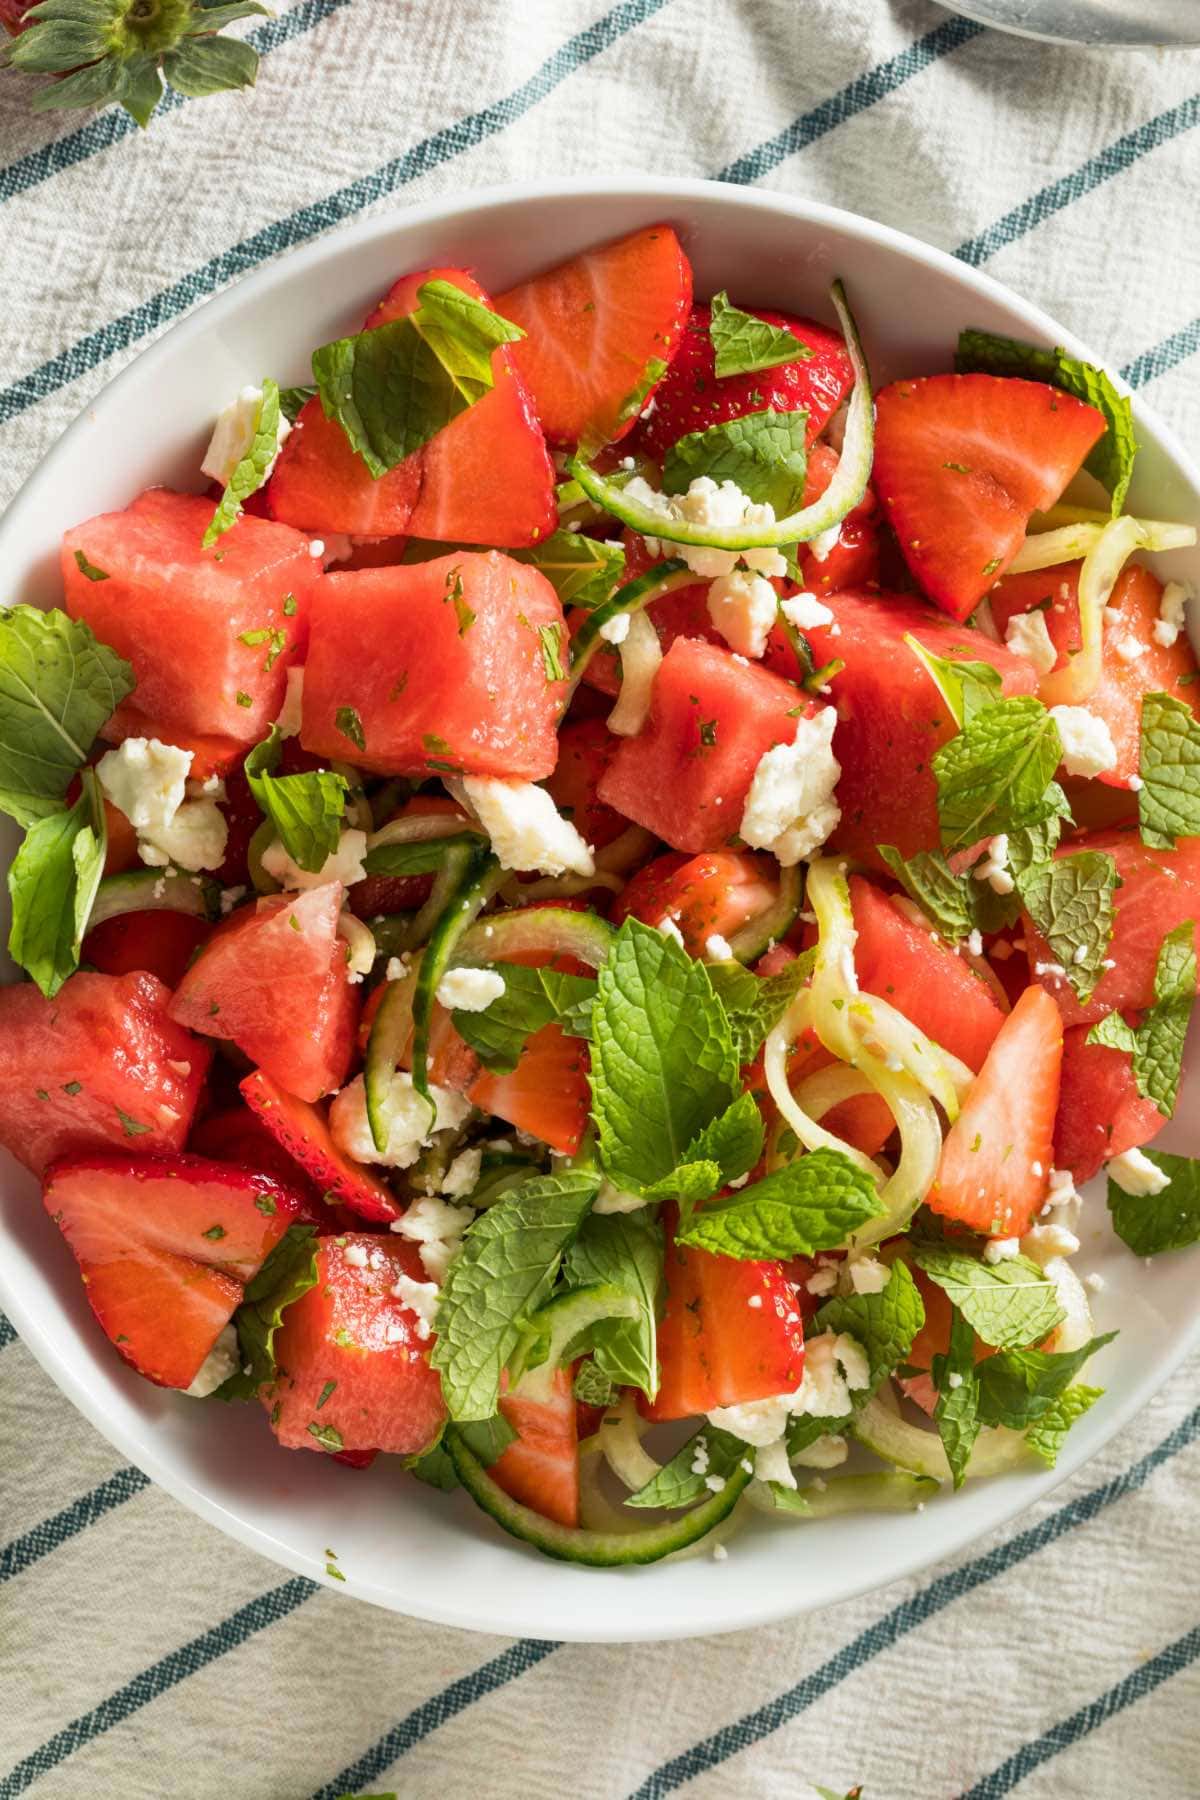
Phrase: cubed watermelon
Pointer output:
(436, 667)
(686, 775)
(273, 979)
(182, 614)
(1100, 1112)
(101, 1066)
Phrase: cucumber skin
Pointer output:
(594, 1549)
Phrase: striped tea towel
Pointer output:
(142, 1655)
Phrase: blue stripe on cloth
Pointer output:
(888, 1630)
(8, 1332)
(320, 215)
(1174, 349)
(431, 1713)
(1113, 160)
(29, 1548)
(1135, 1686)
(872, 85)
(115, 124)
(172, 1669)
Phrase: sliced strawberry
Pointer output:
(547, 1094)
(166, 1244)
(162, 943)
(691, 397)
(731, 1332)
(961, 461)
(853, 559)
(584, 753)
(237, 1135)
(997, 1155)
(716, 892)
(302, 1130)
(597, 328)
(321, 484)
(541, 1468)
(353, 1364)
(1100, 1112)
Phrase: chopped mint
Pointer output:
(325, 1393)
(292, 401)
(531, 999)
(72, 1088)
(215, 1232)
(252, 469)
(328, 1436)
(454, 593)
(290, 606)
(709, 1454)
(288, 1272)
(1170, 1220)
(347, 721)
(1156, 1045)
(266, 1205)
(550, 638)
(743, 344)
(956, 1412)
(130, 1126)
(592, 1386)
(584, 571)
(1017, 1387)
(58, 686)
(89, 569)
(763, 453)
(243, 698)
(625, 1251)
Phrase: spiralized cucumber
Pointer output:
(755, 937)
(620, 1439)
(149, 890)
(1076, 536)
(631, 599)
(548, 930)
(898, 1491)
(556, 1325)
(997, 1451)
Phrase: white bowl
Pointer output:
(402, 1546)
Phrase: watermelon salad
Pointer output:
(603, 877)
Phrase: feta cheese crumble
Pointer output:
(233, 434)
(771, 1464)
(147, 781)
(220, 1363)
(615, 630)
(1028, 636)
(421, 1298)
(722, 506)
(1129, 648)
(612, 1199)
(463, 1174)
(1044, 1242)
(355, 1255)
(805, 612)
(993, 868)
(718, 948)
(1172, 608)
(790, 809)
(742, 607)
(526, 828)
(868, 1275)
(410, 1128)
(345, 864)
(669, 929)
(835, 1366)
(1134, 1173)
(470, 990)
(1001, 1249)
(436, 1228)
(1088, 748)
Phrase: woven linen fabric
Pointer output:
(144, 1655)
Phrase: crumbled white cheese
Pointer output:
(719, 1552)
(718, 948)
(1027, 635)
(233, 435)
(823, 1281)
(612, 1199)
(436, 1228)
(1172, 611)
(340, 548)
(806, 612)
(756, 1422)
(669, 929)
(954, 1379)
(790, 809)
(462, 1176)
(1095, 1282)
(742, 607)
(470, 990)
(826, 542)
(724, 507)
(615, 630)
(834, 1365)
(1135, 1174)
(526, 828)
(868, 1275)
(293, 704)
(355, 1255)
(825, 1453)
(1001, 1249)
(195, 839)
(147, 781)
(1129, 648)
(1062, 1187)
(421, 1298)
(699, 1463)
(771, 1464)
(397, 968)
(220, 1363)
(345, 864)
(975, 942)
(410, 1127)
(1042, 1242)
(316, 548)
(230, 897)
(993, 867)
(1088, 748)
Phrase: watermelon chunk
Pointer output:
(686, 775)
(456, 678)
(162, 943)
(102, 1065)
(165, 1245)
(891, 717)
(272, 979)
(178, 612)
(353, 1369)
(1100, 1112)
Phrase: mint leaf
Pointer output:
(306, 810)
(663, 1062)
(1111, 460)
(811, 1204)
(289, 1271)
(488, 1439)
(1016, 1387)
(885, 1324)
(733, 1141)
(502, 1274)
(434, 1468)
(754, 1004)
(764, 453)
(1046, 1436)
(743, 344)
(945, 898)
(584, 570)
(689, 1183)
(1070, 901)
(997, 775)
(393, 388)
(293, 400)
(956, 1413)
(1151, 1223)
(531, 999)
(58, 686)
(685, 1478)
(622, 1250)
(349, 724)
(251, 471)
(1169, 765)
(592, 1386)
(421, 857)
(1156, 1045)
(966, 687)
(52, 883)
(1008, 1304)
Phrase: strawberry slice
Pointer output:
(302, 1130)
(691, 397)
(353, 1369)
(600, 331)
(321, 484)
(162, 943)
(546, 1095)
(731, 1332)
(717, 892)
(997, 1156)
(1100, 1112)
(585, 750)
(166, 1244)
(961, 461)
(541, 1468)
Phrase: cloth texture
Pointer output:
(143, 1654)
